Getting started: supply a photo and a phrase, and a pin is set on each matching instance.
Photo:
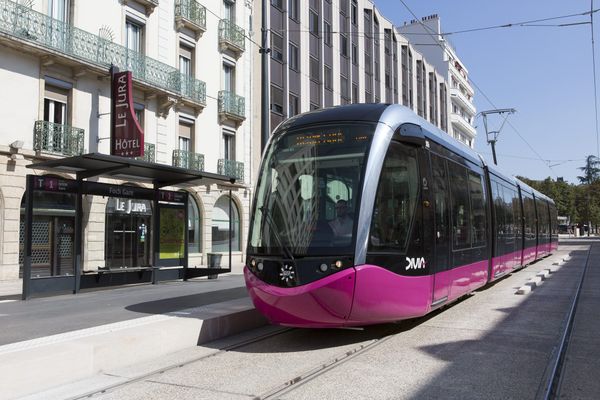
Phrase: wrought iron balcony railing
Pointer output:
(149, 153)
(230, 33)
(188, 160)
(191, 13)
(66, 140)
(232, 104)
(231, 168)
(193, 89)
(26, 24)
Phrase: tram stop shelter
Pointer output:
(169, 237)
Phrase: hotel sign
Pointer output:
(127, 137)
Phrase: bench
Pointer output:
(115, 270)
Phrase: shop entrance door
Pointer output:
(128, 235)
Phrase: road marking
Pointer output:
(7, 301)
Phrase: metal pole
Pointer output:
(186, 237)
(230, 227)
(27, 241)
(264, 51)
(78, 236)
(155, 232)
(493, 143)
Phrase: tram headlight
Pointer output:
(260, 266)
(338, 264)
(323, 267)
(253, 263)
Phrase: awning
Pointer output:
(160, 175)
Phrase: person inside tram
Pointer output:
(342, 224)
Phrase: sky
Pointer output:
(545, 73)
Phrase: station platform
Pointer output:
(49, 341)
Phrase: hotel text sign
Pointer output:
(127, 138)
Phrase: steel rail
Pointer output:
(162, 370)
(552, 386)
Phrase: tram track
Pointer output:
(311, 373)
(550, 388)
(146, 376)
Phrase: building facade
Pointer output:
(332, 52)
(427, 34)
(192, 72)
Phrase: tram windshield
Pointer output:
(308, 194)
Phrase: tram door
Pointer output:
(441, 190)
(128, 225)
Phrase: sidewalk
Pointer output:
(60, 339)
(11, 289)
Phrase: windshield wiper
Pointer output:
(266, 212)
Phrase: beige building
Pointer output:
(332, 52)
(191, 66)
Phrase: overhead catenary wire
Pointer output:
(431, 34)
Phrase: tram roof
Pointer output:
(161, 175)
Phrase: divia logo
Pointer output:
(415, 263)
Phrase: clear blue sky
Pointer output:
(543, 72)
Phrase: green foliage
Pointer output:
(591, 172)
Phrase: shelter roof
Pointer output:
(160, 175)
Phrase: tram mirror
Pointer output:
(410, 133)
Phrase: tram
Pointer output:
(367, 214)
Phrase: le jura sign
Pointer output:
(127, 139)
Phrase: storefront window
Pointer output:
(52, 239)
(194, 227)
(220, 226)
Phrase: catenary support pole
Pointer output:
(265, 129)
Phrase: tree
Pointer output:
(591, 172)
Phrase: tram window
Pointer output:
(510, 218)
(396, 199)
(461, 210)
(477, 209)
(500, 218)
(516, 205)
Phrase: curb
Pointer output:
(35, 365)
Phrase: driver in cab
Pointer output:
(342, 224)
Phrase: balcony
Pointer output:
(190, 14)
(149, 153)
(65, 140)
(458, 96)
(193, 91)
(188, 160)
(231, 107)
(231, 37)
(231, 168)
(150, 5)
(73, 46)
(463, 125)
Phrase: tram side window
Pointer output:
(396, 199)
(516, 205)
(477, 209)
(461, 210)
(510, 217)
(529, 213)
(499, 210)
